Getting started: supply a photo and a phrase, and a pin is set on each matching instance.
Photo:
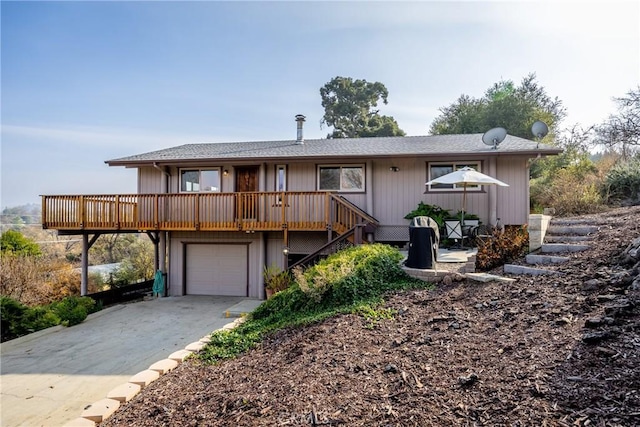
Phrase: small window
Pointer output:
(281, 178)
(341, 178)
(436, 170)
(200, 180)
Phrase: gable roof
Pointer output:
(400, 146)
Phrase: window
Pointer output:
(200, 180)
(281, 178)
(341, 178)
(436, 170)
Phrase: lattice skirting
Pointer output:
(306, 242)
(392, 233)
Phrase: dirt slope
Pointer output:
(561, 350)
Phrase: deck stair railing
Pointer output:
(341, 242)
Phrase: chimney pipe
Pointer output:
(299, 120)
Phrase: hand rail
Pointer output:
(258, 211)
(330, 247)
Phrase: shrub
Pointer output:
(11, 313)
(19, 319)
(275, 278)
(437, 213)
(344, 282)
(502, 247)
(13, 242)
(37, 318)
(353, 274)
(73, 310)
(622, 182)
(568, 192)
(35, 280)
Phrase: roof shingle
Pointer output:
(328, 148)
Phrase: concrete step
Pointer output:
(485, 277)
(561, 247)
(572, 221)
(545, 259)
(566, 239)
(579, 230)
(522, 269)
(242, 308)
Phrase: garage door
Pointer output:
(217, 269)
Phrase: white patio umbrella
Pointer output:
(465, 177)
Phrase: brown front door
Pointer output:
(247, 181)
(246, 178)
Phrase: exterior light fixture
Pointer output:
(285, 251)
(394, 169)
(225, 172)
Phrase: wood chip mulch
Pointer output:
(542, 351)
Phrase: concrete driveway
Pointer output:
(49, 377)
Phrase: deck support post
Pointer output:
(84, 269)
(156, 252)
(285, 249)
(163, 252)
(357, 236)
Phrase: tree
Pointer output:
(139, 265)
(349, 107)
(506, 105)
(575, 156)
(622, 130)
(112, 248)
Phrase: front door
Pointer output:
(246, 178)
(247, 182)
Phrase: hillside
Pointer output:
(555, 350)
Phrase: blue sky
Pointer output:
(83, 82)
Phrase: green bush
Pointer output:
(15, 243)
(436, 213)
(11, 313)
(37, 318)
(73, 310)
(622, 182)
(19, 320)
(340, 283)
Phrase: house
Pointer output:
(219, 212)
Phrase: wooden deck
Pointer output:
(256, 211)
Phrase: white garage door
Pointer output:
(217, 269)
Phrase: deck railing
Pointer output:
(255, 211)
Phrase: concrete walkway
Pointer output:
(49, 377)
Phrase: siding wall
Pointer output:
(150, 181)
(256, 257)
(390, 195)
(274, 249)
(513, 201)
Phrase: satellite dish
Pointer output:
(539, 129)
(494, 137)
